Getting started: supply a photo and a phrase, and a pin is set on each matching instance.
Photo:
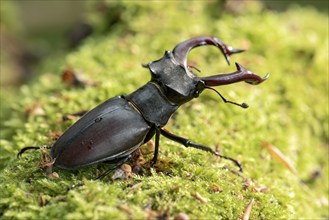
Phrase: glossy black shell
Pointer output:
(111, 130)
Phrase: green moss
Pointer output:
(289, 110)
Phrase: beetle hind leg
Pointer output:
(100, 177)
(188, 143)
(22, 151)
(111, 169)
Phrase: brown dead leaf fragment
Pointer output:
(53, 176)
(260, 189)
(135, 187)
(280, 157)
(247, 211)
(123, 173)
(46, 161)
(35, 109)
(42, 200)
(54, 135)
(153, 214)
(125, 208)
(138, 162)
(73, 116)
(147, 148)
(71, 78)
(215, 188)
(181, 216)
(200, 198)
(218, 150)
(247, 182)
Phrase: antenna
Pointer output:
(243, 105)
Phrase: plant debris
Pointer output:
(280, 157)
(247, 211)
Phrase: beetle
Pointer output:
(113, 130)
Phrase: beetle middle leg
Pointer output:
(188, 143)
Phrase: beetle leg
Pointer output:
(188, 143)
(118, 164)
(21, 152)
(74, 186)
(156, 149)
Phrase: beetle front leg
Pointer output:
(156, 148)
(188, 143)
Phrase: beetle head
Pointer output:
(179, 84)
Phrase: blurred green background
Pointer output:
(33, 30)
(105, 42)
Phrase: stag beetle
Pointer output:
(117, 127)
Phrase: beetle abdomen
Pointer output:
(111, 130)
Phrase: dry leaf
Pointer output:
(215, 188)
(278, 156)
(181, 216)
(135, 187)
(247, 211)
(71, 78)
(200, 198)
(123, 173)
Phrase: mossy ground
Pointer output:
(289, 111)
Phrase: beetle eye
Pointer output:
(196, 94)
(198, 88)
